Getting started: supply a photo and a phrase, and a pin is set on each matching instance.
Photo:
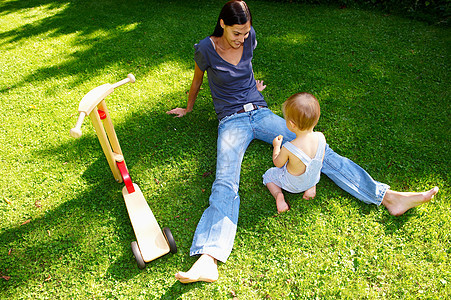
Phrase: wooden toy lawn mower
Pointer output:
(151, 242)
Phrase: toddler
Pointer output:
(298, 163)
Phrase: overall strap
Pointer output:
(321, 145)
(298, 153)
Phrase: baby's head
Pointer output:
(302, 109)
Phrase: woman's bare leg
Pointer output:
(398, 203)
(204, 269)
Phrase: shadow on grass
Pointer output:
(141, 39)
(177, 290)
(136, 35)
(147, 140)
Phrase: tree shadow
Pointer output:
(139, 36)
(141, 39)
(178, 289)
(150, 142)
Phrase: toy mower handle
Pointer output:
(130, 78)
(92, 99)
(76, 131)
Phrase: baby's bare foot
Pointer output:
(310, 193)
(282, 206)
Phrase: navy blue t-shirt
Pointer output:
(231, 86)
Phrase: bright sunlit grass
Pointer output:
(383, 85)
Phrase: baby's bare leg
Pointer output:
(204, 269)
(276, 192)
(310, 193)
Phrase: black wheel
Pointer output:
(137, 253)
(170, 239)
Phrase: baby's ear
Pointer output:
(292, 125)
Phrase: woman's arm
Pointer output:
(193, 91)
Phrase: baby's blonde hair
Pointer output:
(303, 110)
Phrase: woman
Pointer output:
(243, 115)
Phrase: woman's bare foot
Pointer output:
(310, 193)
(204, 269)
(282, 206)
(398, 203)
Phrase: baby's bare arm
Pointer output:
(279, 155)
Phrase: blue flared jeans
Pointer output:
(216, 229)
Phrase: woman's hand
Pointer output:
(179, 112)
(260, 86)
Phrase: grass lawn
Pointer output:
(383, 85)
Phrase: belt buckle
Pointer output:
(248, 107)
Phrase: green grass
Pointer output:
(383, 84)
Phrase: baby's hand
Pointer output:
(277, 141)
(260, 86)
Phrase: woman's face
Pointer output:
(236, 34)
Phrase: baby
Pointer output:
(298, 163)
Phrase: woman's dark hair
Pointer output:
(233, 12)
